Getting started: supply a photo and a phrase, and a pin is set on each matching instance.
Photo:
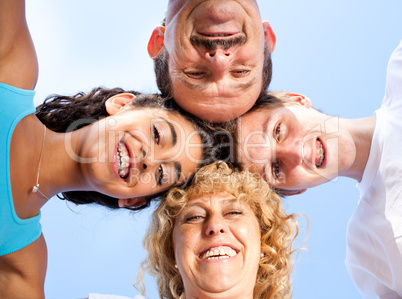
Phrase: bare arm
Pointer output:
(22, 273)
(18, 61)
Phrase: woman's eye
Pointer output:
(156, 135)
(234, 213)
(276, 169)
(193, 218)
(160, 175)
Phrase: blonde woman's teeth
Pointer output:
(218, 253)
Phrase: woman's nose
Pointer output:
(215, 225)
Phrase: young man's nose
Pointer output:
(290, 153)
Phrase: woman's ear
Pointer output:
(156, 41)
(117, 102)
(131, 202)
(269, 36)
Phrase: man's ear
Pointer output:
(292, 192)
(156, 41)
(131, 202)
(269, 36)
(299, 99)
(117, 102)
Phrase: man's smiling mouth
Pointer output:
(320, 155)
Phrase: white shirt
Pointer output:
(374, 234)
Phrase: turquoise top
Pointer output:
(15, 233)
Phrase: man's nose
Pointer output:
(219, 60)
(257, 150)
(290, 153)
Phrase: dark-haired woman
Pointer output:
(115, 148)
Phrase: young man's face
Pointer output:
(294, 147)
(215, 55)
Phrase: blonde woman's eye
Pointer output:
(235, 213)
(193, 218)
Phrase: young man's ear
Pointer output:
(299, 99)
(117, 102)
(269, 36)
(131, 202)
(292, 192)
(156, 41)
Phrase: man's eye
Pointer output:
(277, 132)
(156, 134)
(195, 75)
(276, 170)
(241, 72)
(160, 175)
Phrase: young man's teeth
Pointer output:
(321, 155)
(123, 160)
(223, 253)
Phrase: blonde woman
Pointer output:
(225, 236)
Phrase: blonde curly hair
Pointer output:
(278, 232)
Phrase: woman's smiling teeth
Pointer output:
(123, 160)
(218, 253)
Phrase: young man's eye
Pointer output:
(277, 132)
(156, 135)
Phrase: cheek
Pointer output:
(180, 239)
(249, 234)
(192, 153)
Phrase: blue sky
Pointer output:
(333, 51)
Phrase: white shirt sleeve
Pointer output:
(393, 86)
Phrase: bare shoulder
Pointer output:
(18, 61)
(22, 273)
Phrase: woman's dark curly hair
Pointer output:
(68, 113)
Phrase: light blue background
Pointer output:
(334, 51)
